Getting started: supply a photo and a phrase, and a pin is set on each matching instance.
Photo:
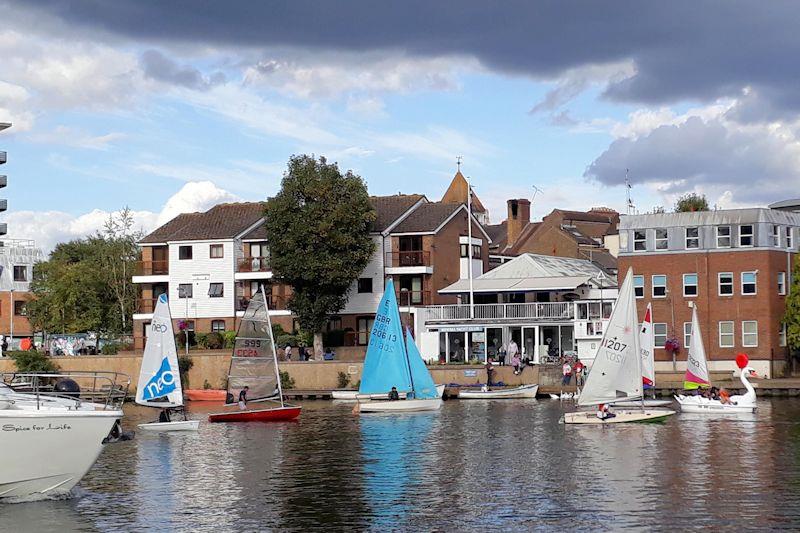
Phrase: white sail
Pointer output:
(616, 373)
(696, 362)
(159, 378)
(647, 341)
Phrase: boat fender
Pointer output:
(68, 387)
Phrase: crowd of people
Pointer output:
(714, 393)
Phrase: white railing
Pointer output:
(536, 311)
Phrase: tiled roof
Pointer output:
(427, 217)
(223, 221)
(260, 233)
(390, 208)
(457, 193)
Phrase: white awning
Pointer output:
(517, 284)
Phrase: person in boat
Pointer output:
(604, 412)
(393, 394)
(724, 397)
(243, 398)
(163, 416)
(489, 374)
(714, 394)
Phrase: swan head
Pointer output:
(749, 372)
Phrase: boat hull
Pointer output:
(273, 414)
(526, 391)
(693, 404)
(647, 403)
(205, 395)
(353, 395)
(400, 406)
(623, 416)
(177, 425)
(47, 453)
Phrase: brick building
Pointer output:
(734, 265)
(17, 257)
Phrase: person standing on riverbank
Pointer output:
(513, 351)
(489, 374)
(566, 370)
(515, 362)
(578, 369)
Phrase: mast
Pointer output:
(408, 362)
(274, 348)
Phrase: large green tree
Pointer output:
(318, 229)
(691, 202)
(792, 316)
(85, 284)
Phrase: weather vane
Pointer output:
(458, 162)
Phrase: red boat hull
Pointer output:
(275, 414)
(205, 395)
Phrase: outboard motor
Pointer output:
(67, 387)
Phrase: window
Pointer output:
(659, 286)
(639, 240)
(746, 235)
(690, 284)
(782, 335)
(218, 326)
(638, 286)
(476, 251)
(190, 325)
(19, 308)
(692, 238)
(364, 285)
(464, 248)
(748, 282)
(749, 333)
(687, 334)
(789, 243)
(659, 334)
(725, 283)
(20, 273)
(185, 290)
(184, 252)
(661, 239)
(781, 283)
(215, 251)
(364, 325)
(216, 290)
(723, 236)
(726, 334)
(776, 235)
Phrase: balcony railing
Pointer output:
(536, 311)
(407, 298)
(409, 258)
(152, 268)
(255, 264)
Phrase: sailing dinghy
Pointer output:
(616, 374)
(393, 362)
(523, 391)
(254, 365)
(160, 378)
(647, 340)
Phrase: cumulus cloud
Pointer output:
(48, 228)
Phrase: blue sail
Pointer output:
(385, 365)
(424, 387)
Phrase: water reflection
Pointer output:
(473, 465)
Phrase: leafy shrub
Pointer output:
(185, 364)
(230, 339)
(277, 330)
(206, 384)
(110, 348)
(287, 381)
(31, 361)
(201, 339)
(215, 341)
(344, 380)
(285, 339)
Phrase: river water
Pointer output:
(474, 465)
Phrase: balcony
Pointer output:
(409, 262)
(551, 311)
(254, 267)
(2, 157)
(146, 306)
(274, 302)
(152, 268)
(413, 298)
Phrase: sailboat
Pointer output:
(392, 361)
(254, 365)
(616, 374)
(647, 347)
(697, 377)
(159, 377)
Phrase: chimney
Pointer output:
(519, 216)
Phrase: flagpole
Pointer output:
(469, 250)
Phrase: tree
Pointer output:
(691, 202)
(791, 318)
(318, 229)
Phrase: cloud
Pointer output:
(159, 67)
(75, 138)
(48, 228)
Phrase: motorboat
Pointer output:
(53, 429)
(524, 391)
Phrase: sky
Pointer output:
(170, 107)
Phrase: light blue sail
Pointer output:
(385, 365)
(424, 387)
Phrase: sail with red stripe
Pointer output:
(647, 347)
(696, 363)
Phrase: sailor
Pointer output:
(393, 395)
(243, 398)
(603, 412)
(163, 417)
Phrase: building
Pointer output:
(17, 258)
(734, 265)
(530, 299)
(3, 180)
(456, 193)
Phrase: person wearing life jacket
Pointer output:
(603, 412)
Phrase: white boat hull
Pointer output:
(353, 395)
(46, 453)
(525, 391)
(177, 425)
(647, 403)
(400, 406)
(698, 404)
(622, 416)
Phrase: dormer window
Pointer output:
(639, 240)
(692, 238)
(662, 242)
(723, 236)
(746, 235)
